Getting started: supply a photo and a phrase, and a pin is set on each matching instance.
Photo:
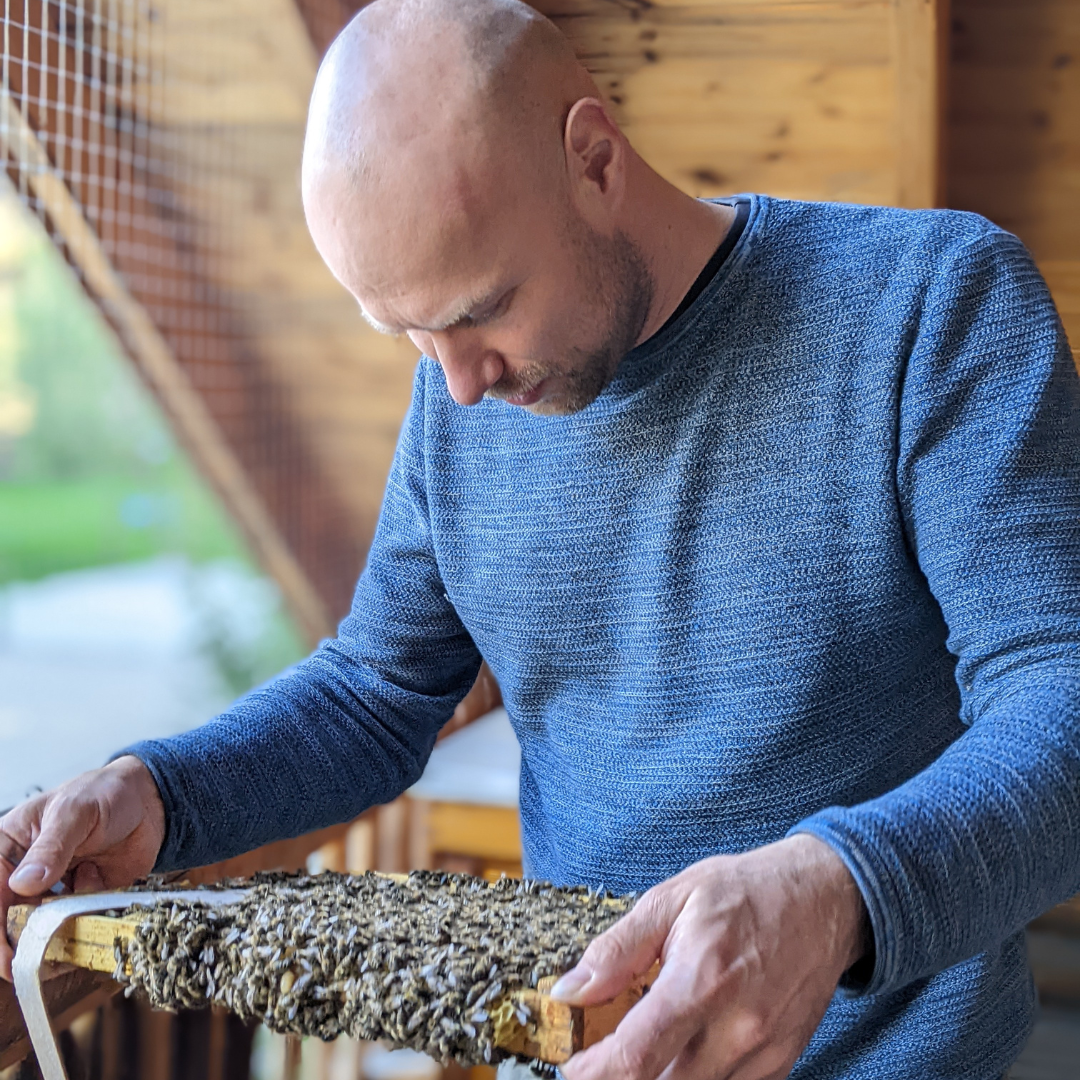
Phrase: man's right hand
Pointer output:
(102, 830)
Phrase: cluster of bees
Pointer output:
(421, 963)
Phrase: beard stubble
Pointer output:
(614, 268)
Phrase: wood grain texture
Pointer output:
(1014, 130)
(344, 387)
(87, 941)
(920, 51)
(798, 99)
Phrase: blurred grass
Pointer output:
(47, 527)
(95, 477)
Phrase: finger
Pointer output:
(6, 900)
(617, 957)
(87, 878)
(65, 824)
(7, 954)
(652, 1034)
(12, 853)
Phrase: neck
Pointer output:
(676, 234)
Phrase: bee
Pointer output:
(421, 963)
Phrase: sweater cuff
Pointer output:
(148, 751)
(876, 972)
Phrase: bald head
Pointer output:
(440, 99)
(464, 180)
(406, 71)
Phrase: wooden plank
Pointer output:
(87, 941)
(1014, 131)
(921, 34)
(797, 99)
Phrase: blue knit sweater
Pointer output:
(810, 563)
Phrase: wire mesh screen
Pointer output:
(160, 144)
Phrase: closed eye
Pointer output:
(489, 313)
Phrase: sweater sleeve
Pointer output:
(988, 480)
(350, 727)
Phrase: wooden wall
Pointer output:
(239, 76)
(1014, 130)
(822, 99)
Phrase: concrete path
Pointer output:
(93, 660)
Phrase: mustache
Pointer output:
(518, 384)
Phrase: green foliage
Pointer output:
(93, 416)
(53, 525)
(97, 477)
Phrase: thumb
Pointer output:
(622, 954)
(64, 826)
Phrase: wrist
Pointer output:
(138, 779)
(837, 894)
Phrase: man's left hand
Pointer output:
(751, 948)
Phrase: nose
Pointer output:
(470, 367)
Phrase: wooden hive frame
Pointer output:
(554, 1032)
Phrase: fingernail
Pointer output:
(28, 875)
(571, 984)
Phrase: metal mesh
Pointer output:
(109, 133)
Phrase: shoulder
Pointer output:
(860, 234)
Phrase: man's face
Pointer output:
(514, 297)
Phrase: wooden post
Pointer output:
(391, 837)
(920, 57)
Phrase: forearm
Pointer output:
(963, 855)
(314, 748)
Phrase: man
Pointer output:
(764, 515)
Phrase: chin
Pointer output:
(549, 407)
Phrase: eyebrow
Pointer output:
(459, 313)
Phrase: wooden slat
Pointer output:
(1014, 131)
(87, 941)
(921, 35)
(825, 100)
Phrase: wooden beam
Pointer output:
(920, 48)
(151, 352)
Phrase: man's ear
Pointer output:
(595, 158)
